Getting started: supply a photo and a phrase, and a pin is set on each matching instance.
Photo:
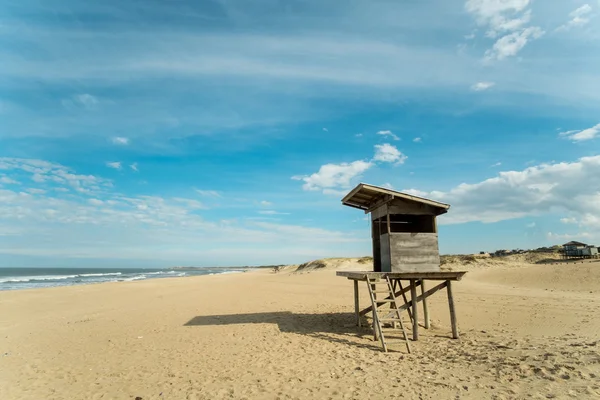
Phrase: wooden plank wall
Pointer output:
(414, 252)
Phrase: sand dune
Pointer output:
(527, 331)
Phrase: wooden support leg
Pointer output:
(415, 312)
(375, 328)
(452, 310)
(405, 300)
(356, 303)
(425, 308)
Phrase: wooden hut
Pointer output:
(403, 228)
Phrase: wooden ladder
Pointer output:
(393, 314)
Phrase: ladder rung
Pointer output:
(389, 319)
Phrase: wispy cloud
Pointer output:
(86, 101)
(388, 133)
(114, 164)
(120, 140)
(265, 203)
(134, 167)
(56, 224)
(496, 164)
(507, 20)
(417, 140)
(582, 135)
(272, 212)
(511, 44)
(8, 181)
(481, 86)
(499, 16)
(579, 17)
(208, 193)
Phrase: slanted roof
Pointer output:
(574, 243)
(366, 197)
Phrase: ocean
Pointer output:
(31, 278)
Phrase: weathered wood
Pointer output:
(377, 332)
(389, 225)
(405, 299)
(410, 209)
(452, 310)
(356, 303)
(425, 308)
(392, 288)
(414, 252)
(401, 292)
(434, 275)
(376, 327)
(428, 293)
(415, 311)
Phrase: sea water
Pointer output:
(31, 278)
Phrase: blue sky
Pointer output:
(150, 133)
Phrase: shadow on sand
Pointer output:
(333, 327)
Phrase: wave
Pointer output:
(13, 279)
(106, 274)
(133, 278)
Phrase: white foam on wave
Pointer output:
(134, 278)
(14, 279)
(226, 272)
(106, 274)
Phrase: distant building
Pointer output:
(575, 249)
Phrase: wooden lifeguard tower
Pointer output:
(405, 248)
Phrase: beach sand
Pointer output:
(527, 331)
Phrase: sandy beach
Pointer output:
(527, 331)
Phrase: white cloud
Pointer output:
(570, 220)
(272, 212)
(388, 185)
(134, 167)
(388, 133)
(36, 191)
(114, 164)
(208, 193)
(566, 187)
(325, 130)
(567, 236)
(499, 15)
(265, 203)
(388, 153)
(531, 225)
(53, 174)
(8, 181)
(580, 136)
(331, 179)
(119, 140)
(504, 17)
(511, 44)
(358, 135)
(417, 140)
(334, 176)
(496, 164)
(110, 225)
(86, 101)
(579, 17)
(481, 86)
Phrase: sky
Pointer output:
(218, 133)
